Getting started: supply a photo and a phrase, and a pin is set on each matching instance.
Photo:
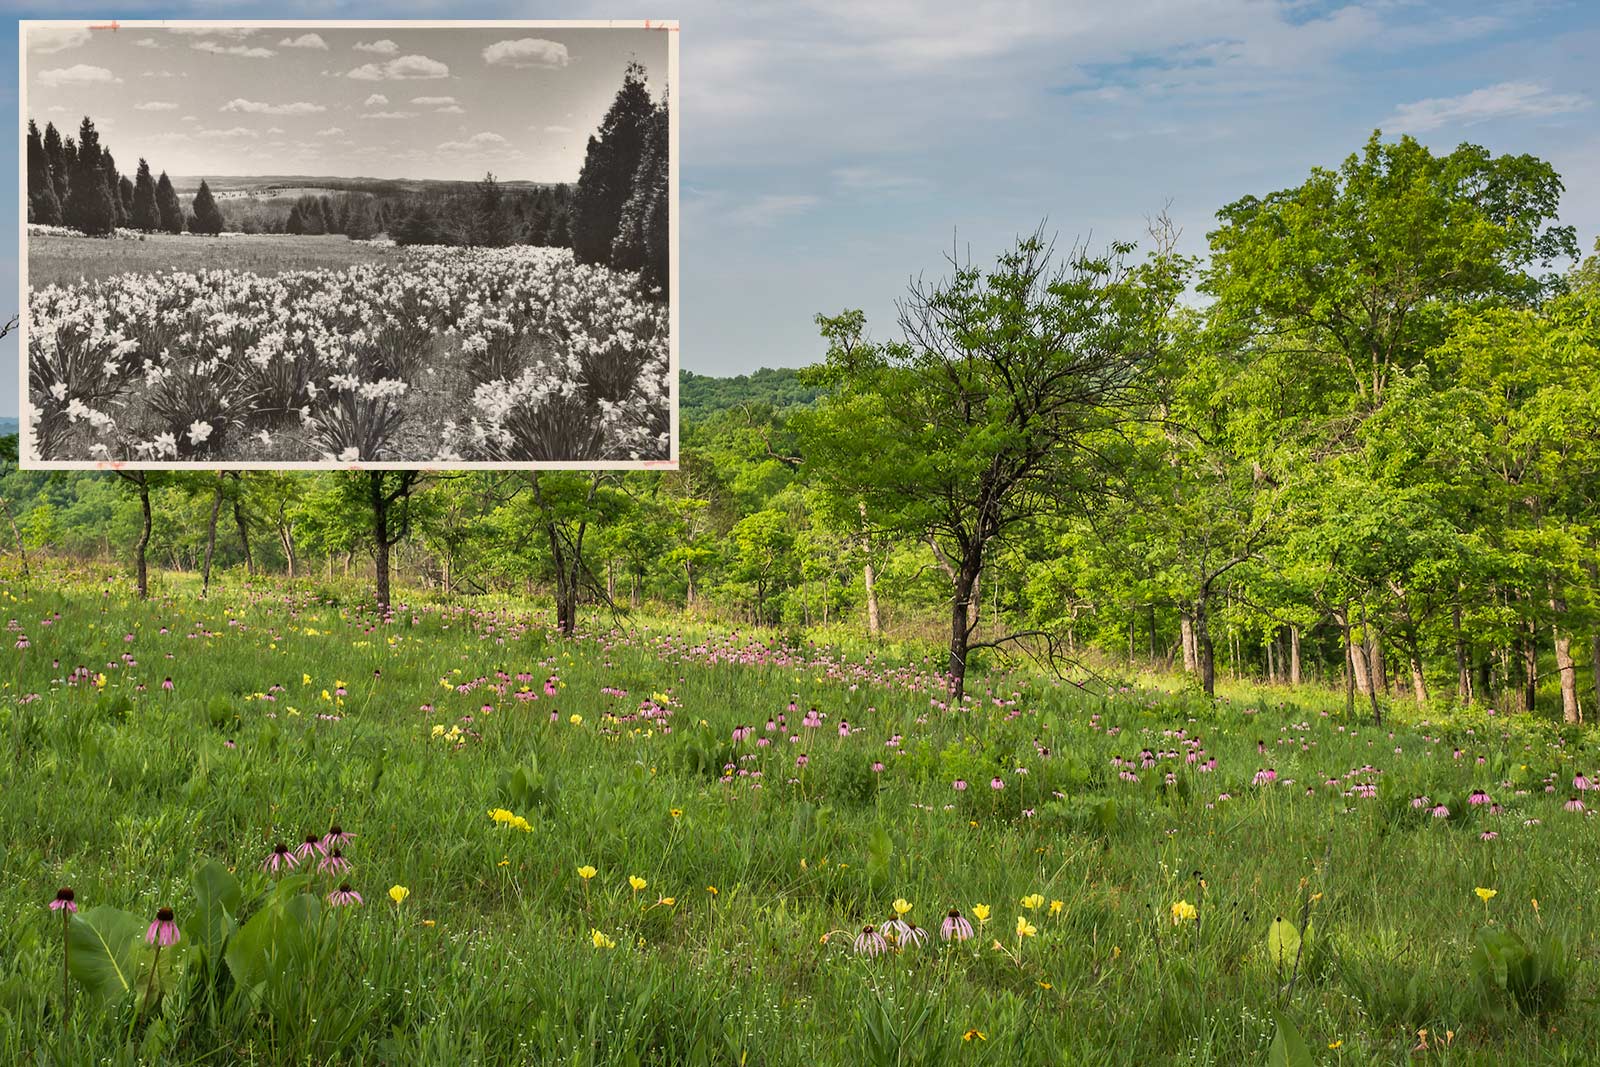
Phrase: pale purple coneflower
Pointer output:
(996, 784)
(66, 900)
(334, 863)
(1573, 804)
(166, 684)
(344, 895)
(959, 785)
(870, 943)
(282, 857)
(336, 835)
(1579, 782)
(164, 931)
(1478, 797)
(894, 930)
(914, 936)
(1440, 812)
(309, 847)
(955, 926)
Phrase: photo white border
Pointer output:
(674, 96)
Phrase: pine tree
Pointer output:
(358, 223)
(146, 213)
(488, 225)
(295, 224)
(207, 217)
(417, 228)
(609, 167)
(89, 205)
(42, 203)
(55, 154)
(167, 205)
(642, 241)
(330, 215)
(108, 167)
(311, 216)
(125, 198)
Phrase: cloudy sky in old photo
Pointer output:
(387, 103)
(833, 148)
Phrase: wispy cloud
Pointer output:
(235, 131)
(257, 107)
(771, 209)
(389, 115)
(1507, 100)
(49, 39)
(242, 50)
(156, 105)
(305, 40)
(375, 100)
(384, 47)
(80, 74)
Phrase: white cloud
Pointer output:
(384, 47)
(406, 68)
(1506, 100)
(160, 74)
(81, 74)
(453, 109)
(232, 33)
(243, 50)
(331, 131)
(485, 142)
(873, 180)
(147, 42)
(432, 101)
(256, 107)
(189, 118)
(305, 40)
(389, 115)
(155, 105)
(375, 100)
(235, 131)
(274, 129)
(527, 52)
(48, 39)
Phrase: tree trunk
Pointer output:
(1349, 663)
(1204, 651)
(1294, 655)
(141, 564)
(1530, 669)
(242, 525)
(211, 538)
(961, 621)
(1594, 635)
(869, 581)
(1373, 645)
(380, 537)
(1186, 635)
(1571, 711)
(1463, 664)
(1150, 617)
(286, 537)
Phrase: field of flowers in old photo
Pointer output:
(447, 355)
(274, 826)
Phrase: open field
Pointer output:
(73, 260)
(1121, 857)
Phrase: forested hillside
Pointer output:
(1367, 458)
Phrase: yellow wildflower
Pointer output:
(1183, 911)
(398, 893)
(1025, 928)
(637, 882)
(982, 912)
(1032, 901)
(600, 940)
(586, 872)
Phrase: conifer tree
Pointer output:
(418, 227)
(207, 218)
(43, 206)
(295, 224)
(170, 210)
(609, 167)
(89, 205)
(146, 213)
(642, 242)
(55, 154)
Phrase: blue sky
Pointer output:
(832, 149)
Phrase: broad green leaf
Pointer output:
(1283, 942)
(104, 945)
(1288, 1047)
(217, 899)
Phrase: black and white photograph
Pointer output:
(348, 244)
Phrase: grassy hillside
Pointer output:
(68, 260)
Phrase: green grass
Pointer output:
(124, 794)
(54, 260)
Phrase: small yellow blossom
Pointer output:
(600, 940)
(982, 912)
(1032, 901)
(974, 1033)
(667, 901)
(576, 720)
(1183, 911)
(1025, 928)
(1056, 906)
(398, 893)
(637, 882)
(586, 872)
(901, 906)
(1485, 895)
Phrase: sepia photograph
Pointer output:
(382, 245)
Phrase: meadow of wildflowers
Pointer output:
(275, 827)
(443, 355)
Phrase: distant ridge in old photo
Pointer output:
(348, 244)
